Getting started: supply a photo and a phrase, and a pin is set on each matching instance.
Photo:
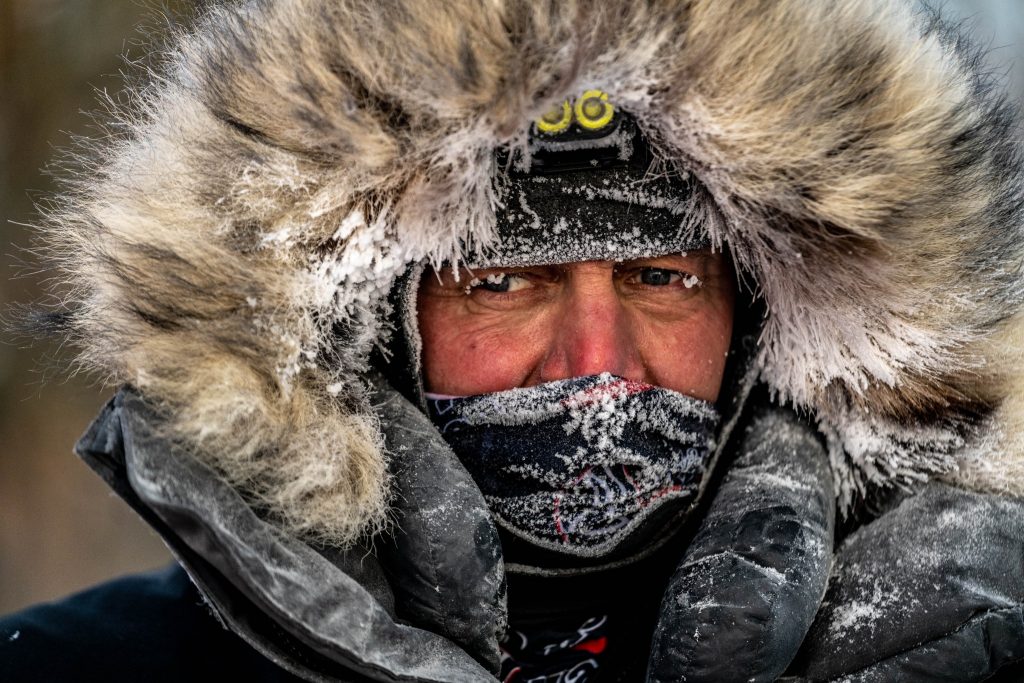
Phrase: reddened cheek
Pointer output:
(687, 353)
(466, 353)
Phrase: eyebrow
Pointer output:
(701, 255)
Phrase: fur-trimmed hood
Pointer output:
(230, 250)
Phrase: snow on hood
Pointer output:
(229, 250)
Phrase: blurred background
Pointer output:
(60, 528)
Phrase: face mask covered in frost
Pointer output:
(583, 466)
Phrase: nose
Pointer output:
(595, 334)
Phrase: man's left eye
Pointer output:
(663, 277)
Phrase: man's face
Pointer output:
(666, 321)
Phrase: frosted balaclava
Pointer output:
(587, 467)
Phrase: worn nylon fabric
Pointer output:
(932, 590)
(749, 583)
(582, 465)
(325, 614)
(328, 615)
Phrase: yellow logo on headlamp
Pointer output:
(556, 120)
(591, 111)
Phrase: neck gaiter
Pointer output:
(580, 465)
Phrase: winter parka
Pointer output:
(228, 254)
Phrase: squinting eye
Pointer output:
(663, 277)
(501, 283)
(658, 277)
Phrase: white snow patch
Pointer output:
(855, 615)
(349, 225)
(278, 238)
(860, 615)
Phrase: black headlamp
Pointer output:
(587, 133)
(585, 189)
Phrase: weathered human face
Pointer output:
(666, 321)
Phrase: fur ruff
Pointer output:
(229, 251)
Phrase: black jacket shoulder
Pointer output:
(151, 627)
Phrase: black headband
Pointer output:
(588, 192)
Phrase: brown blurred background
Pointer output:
(60, 528)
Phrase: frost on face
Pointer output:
(491, 279)
(579, 463)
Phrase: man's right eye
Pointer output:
(499, 283)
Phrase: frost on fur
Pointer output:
(874, 451)
(229, 248)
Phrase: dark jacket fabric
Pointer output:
(732, 598)
(148, 627)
